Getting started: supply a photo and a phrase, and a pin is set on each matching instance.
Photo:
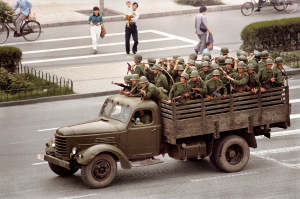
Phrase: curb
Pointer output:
(293, 72)
(150, 15)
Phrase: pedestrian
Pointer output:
(25, 10)
(132, 29)
(95, 21)
(208, 48)
(201, 19)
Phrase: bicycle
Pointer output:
(289, 6)
(30, 30)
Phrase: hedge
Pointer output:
(282, 34)
(3, 8)
(10, 58)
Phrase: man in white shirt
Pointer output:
(132, 30)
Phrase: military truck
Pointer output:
(221, 129)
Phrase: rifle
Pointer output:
(129, 68)
(215, 92)
(268, 84)
(122, 85)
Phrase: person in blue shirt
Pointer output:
(95, 21)
(25, 10)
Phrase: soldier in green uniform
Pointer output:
(188, 66)
(266, 76)
(278, 71)
(181, 88)
(197, 85)
(178, 72)
(222, 75)
(205, 70)
(149, 70)
(207, 54)
(163, 61)
(254, 61)
(252, 84)
(175, 58)
(229, 71)
(138, 68)
(160, 80)
(150, 91)
(213, 84)
(220, 60)
(181, 61)
(194, 56)
(135, 86)
(225, 51)
(264, 56)
(144, 117)
(239, 79)
(128, 82)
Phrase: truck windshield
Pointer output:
(118, 112)
(106, 108)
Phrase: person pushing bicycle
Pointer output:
(25, 10)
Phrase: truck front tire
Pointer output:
(62, 171)
(100, 171)
(232, 153)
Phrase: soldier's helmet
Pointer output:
(224, 50)
(257, 56)
(221, 60)
(181, 60)
(193, 56)
(143, 79)
(138, 57)
(185, 75)
(135, 77)
(207, 54)
(175, 56)
(180, 67)
(214, 66)
(172, 63)
(127, 78)
(164, 59)
(216, 72)
(151, 60)
(243, 58)
(278, 61)
(250, 67)
(238, 53)
(192, 62)
(194, 68)
(205, 63)
(244, 53)
(206, 58)
(241, 64)
(264, 55)
(269, 61)
(228, 61)
(157, 67)
(194, 73)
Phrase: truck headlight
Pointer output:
(74, 150)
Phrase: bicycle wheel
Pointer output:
(4, 33)
(291, 6)
(31, 30)
(279, 6)
(247, 8)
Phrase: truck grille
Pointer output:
(61, 148)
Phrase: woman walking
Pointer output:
(95, 21)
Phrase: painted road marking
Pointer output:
(48, 129)
(295, 116)
(294, 87)
(82, 196)
(295, 101)
(34, 164)
(291, 160)
(282, 133)
(224, 176)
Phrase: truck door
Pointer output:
(142, 138)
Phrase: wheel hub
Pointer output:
(232, 153)
(101, 169)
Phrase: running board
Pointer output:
(146, 162)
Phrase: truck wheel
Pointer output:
(100, 172)
(232, 153)
(62, 171)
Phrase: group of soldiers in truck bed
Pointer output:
(172, 79)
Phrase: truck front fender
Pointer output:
(84, 157)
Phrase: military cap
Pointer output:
(214, 66)
(264, 55)
(143, 79)
(175, 56)
(250, 67)
(269, 61)
(228, 61)
(207, 54)
(206, 58)
(157, 67)
(185, 75)
(244, 53)
(138, 57)
(221, 60)
(257, 56)
(241, 64)
(135, 77)
(216, 72)
(180, 67)
(224, 50)
(194, 74)
(193, 56)
(127, 78)
(164, 59)
(238, 53)
(243, 58)
(181, 60)
(192, 62)
(151, 60)
(194, 68)
(278, 61)
(205, 63)
(172, 63)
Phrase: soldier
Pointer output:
(149, 70)
(194, 56)
(216, 67)
(213, 84)
(278, 71)
(252, 84)
(220, 60)
(254, 61)
(135, 86)
(225, 51)
(205, 70)
(170, 68)
(239, 79)
(150, 91)
(178, 72)
(188, 66)
(181, 60)
(163, 62)
(160, 80)
(138, 68)
(207, 54)
(144, 117)
(264, 56)
(266, 76)
(197, 85)
(175, 58)
(181, 88)
(127, 81)
(228, 67)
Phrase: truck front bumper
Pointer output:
(53, 160)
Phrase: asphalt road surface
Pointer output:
(71, 46)
(273, 170)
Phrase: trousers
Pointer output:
(95, 32)
(17, 21)
(134, 32)
(202, 43)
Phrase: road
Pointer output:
(273, 170)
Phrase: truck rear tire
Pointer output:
(62, 171)
(232, 153)
(100, 172)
